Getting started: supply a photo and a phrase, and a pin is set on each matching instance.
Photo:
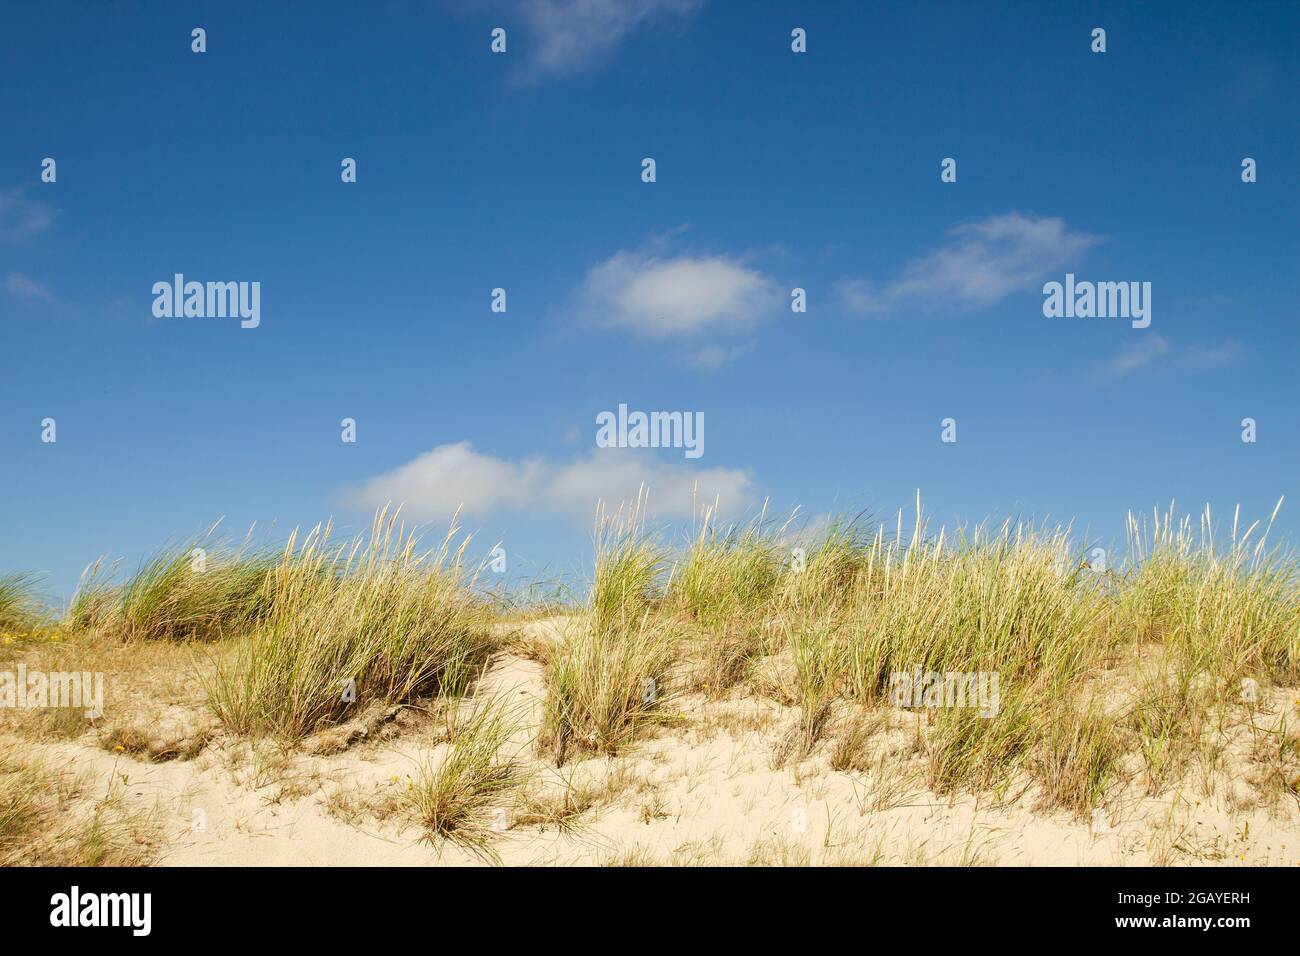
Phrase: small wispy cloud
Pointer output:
(27, 288)
(978, 264)
(659, 298)
(21, 218)
(1133, 357)
(1152, 351)
(715, 356)
(1209, 356)
(451, 477)
(572, 36)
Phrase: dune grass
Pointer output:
(48, 818)
(202, 590)
(819, 653)
(19, 609)
(1107, 675)
(725, 571)
(1230, 612)
(1078, 758)
(23, 784)
(629, 566)
(608, 677)
(860, 605)
(453, 797)
(835, 567)
(602, 684)
(178, 595)
(717, 592)
(373, 621)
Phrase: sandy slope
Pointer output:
(702, 790)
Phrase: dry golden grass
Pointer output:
(602, 685)
(453, 796)
(861, 606)
(374, 620)
(153, 703)
(48, 817)
(19, 609)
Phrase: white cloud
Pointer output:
(716, 356)
(660, 298)
(978, 264)
(569, 36)
(1133, 357)
(439, 481)
(21, 217)
(1153, 349)
(20, 285)
(1205, 356)
(434, 485)
(675, 490)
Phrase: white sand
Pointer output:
(703, 791)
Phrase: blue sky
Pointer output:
(522, 170)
